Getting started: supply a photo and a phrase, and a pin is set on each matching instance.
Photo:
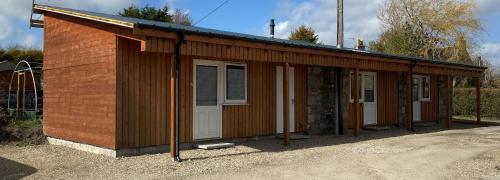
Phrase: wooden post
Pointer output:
(356, 101)
(478, 101)
(448, 101)
(171, 103)
(409, 101)
(286, 116)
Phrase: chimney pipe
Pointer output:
(271, 25)
(340, 23)
(360, 45)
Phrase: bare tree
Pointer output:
(181, 17)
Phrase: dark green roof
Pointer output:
(131, 22)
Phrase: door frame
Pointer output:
(291, 86)
(375, 94)
(219, 65)
(362, 96)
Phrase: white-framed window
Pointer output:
(235, 83)
(426, 88)
(421, 88)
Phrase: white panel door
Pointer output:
(369, 97)
(279, 99)
(416, 92)
(207, 120)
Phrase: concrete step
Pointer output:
(214, 146)
(294, 136)
(377, 128)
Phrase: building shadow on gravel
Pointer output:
(273, 144)
(10, 169)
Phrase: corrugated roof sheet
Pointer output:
(130, 22)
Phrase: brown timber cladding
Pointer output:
(142, 99)
(430, 109)
(197, 45)
(387, 100)
(79, 83)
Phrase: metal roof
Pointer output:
(141, 23)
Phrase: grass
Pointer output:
(31, 123)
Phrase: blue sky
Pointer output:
(251, 17)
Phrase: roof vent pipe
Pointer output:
(271, 28)
(360, 45)
(340, 23)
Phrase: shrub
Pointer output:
(464, 102)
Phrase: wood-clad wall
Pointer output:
(142, 108)
(430, 109)
(387, 98)
(141, 96)
(197, 45)
(301, 98)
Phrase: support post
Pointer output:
(478, 101)
(409, 101)
(286, 115)
(171, 103)
(448, 101)
(356, 101)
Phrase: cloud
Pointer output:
(360, 19)
(488, 7)
(491, 52)
(15, 14)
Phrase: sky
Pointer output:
(251, 17)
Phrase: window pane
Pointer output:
(369, 81)
(425, 87)
(235, 82)
(415, 89)
(206, 85)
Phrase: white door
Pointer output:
(369, 97)
(207, 120)
(279, 99)
(416, 92)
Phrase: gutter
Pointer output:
(298, 44)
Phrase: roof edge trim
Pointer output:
(84, 16)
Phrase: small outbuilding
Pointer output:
(122, 86)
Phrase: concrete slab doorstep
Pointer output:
(424, 124)
(377, 128)
(294, 136)
(214, 146)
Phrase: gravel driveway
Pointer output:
(461, 153)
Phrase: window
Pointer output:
(369, 88)
(235, 85)
(415, 90)
(426, 92)
(206, 85)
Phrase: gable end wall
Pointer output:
(79, 82)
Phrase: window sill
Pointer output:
(235, 104)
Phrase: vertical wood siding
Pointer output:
(141, 96)
(142, 108)
(430, 109)
(387, 98)
(258, 117)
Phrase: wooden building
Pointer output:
(110, 82)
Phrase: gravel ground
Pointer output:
(464, 152)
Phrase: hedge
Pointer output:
(464, 102)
